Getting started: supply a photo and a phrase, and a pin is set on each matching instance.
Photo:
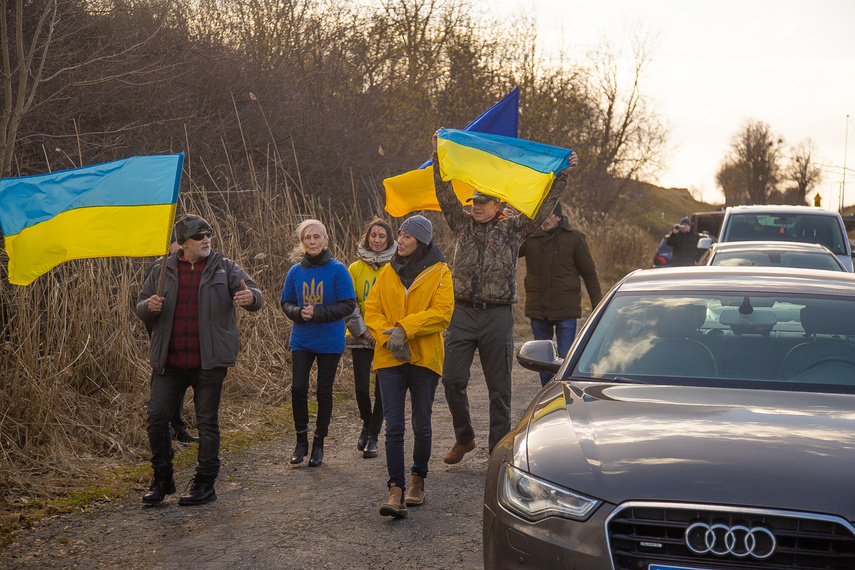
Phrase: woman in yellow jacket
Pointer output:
(407, 310)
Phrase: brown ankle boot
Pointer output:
(394, 507)
(416, 492)
(458, 450)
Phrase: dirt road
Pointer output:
(270, 515)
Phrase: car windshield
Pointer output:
(804, 260)
(808, 228)
(752, 341)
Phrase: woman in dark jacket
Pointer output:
(318, 294)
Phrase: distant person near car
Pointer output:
(407, 311)
(684, 241)
(556, 256)
(374, 250)
(317, 295)
(485, 288)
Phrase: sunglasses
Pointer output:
(201, 235)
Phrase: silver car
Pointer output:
(772, 254)
(704, 419)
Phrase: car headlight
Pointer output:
(535, 499)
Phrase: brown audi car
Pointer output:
(704, 419)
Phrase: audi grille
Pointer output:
(718, 538)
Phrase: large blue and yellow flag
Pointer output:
(414, 190)
(120, 208)
(519, 172)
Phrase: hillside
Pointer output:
(656, 209)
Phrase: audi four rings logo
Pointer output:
(738, 540)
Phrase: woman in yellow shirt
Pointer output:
(406, 311)
(374, 250)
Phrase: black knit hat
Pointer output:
(557, 209)
(190, 225)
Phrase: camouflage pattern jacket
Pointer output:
(484, 263)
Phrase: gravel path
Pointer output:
(270, 515)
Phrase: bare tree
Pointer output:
(624, 137)
(756, 152)
(802, 172)
(53, 50)
(731, 180)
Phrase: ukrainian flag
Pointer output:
(517, 171)
(121, 208)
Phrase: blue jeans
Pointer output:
(167, 390)
(564, 330)
(394, 383)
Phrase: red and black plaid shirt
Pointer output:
(184, 344)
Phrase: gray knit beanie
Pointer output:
(419, 227)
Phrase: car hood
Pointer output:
(786, 450)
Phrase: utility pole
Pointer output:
(845, 145)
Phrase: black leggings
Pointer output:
(363, 358)
(301, 364)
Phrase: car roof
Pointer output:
(720, 279)
(771, 245)
(778, 209)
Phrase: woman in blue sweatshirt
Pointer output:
(318, 294)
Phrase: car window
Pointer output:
(803, 260)
(808, 228)
(747, 340)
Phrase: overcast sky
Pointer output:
(716, 64)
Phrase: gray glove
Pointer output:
(397, 343)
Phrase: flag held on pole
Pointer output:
(517, 171)
(120, 208)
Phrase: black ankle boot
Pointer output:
(317, 452)
(363, 439)
(370, 448)
(162, 485)
(302, 448)
(201, 491)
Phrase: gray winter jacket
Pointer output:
(219, 338)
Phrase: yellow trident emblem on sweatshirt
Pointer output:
(313, 294)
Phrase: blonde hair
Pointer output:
(302, 228)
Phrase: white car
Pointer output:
(787, 224)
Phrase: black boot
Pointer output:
(185, 437)
(363, 439)
(317, 452)
(201, 491)
(162, 485)
(370, 448)
(301, 449)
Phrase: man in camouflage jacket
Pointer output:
(484, 267)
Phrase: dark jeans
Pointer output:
(564, 331)
(372, 420)
(394, 383)
(167, 390)
(491, 332)
(301, 366)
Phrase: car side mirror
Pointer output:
(705, 243)
(540, 356)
